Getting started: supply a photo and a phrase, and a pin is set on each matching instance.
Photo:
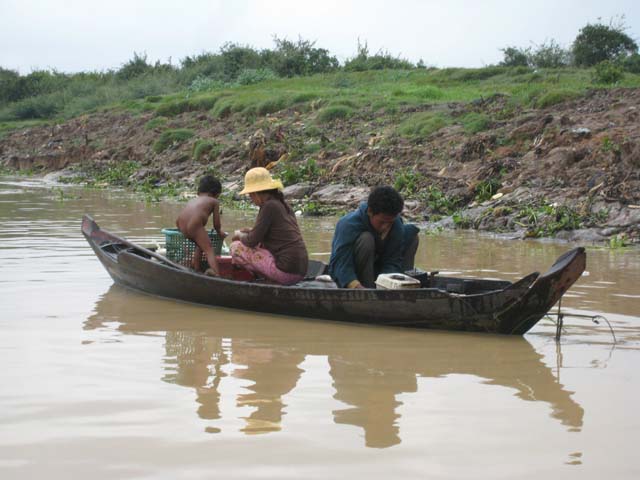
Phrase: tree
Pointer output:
(236, 58)
(135, 67)
(380, 61)
(300, 58)
(549, 55)
(9, 86)
(515, 57)
(597, 43)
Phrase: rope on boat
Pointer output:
(594, 318)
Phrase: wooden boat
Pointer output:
(445, 303)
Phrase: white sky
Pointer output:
(84, 35)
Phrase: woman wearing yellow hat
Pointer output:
(274, 247)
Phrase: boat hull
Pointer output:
(510, 310)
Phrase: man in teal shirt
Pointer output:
(372, 240)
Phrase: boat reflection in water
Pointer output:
(370, 367)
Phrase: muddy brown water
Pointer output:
(98, 381)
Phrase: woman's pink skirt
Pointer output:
(261, 262)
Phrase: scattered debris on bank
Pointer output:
(569, 171)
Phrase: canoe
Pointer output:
(444, 303)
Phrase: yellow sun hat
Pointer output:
(259, 179)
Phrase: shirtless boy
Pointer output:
(193, 219)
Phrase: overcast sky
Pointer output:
(84, 35)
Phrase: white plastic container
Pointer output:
(396, 281)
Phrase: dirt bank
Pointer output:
(571, 170)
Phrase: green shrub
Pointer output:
(112, 173)
(205, 84)
(344, 102)
(461, 221)
(631, 64)
(250, 76)
(342, 81)
(554, 97)
(475, 122)
(310, 130)
(609, 145)
(222, 109)
(469, 74)
(176, 107)
(206, 147)
(423, 124)
(608, 72)
(248, 110)
(487, 189)
(516, 71)
(14, 87)
(172, 108)
(171, 137)
(382, 60)
(304, 97)
(202, 103)
(155, 123)
(619, 241)
(430, 93)
(407, 181)
(42, 106)
(439, 202)
(291, 173)
(272, 105)
(526, 94)
(549, 55)
(331, 113)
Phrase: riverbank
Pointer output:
(523, 153)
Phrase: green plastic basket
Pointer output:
(181, 249)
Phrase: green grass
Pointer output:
(334, 112)
(171, 137)
(423, 124)
(100, 175)
(7, 127)
(544, 219)
(206, 149)
(553, 97)
(386, 91)
(475, 122)
(272, 105)
(156, 122)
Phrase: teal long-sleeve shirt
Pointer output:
(342, 264)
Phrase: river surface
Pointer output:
(97, 381)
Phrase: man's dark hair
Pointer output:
(209, 184)
(385, 200)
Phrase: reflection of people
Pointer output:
(372, 394)
(269, 354)
(274, 247)
(194, 217)
(198, 364)
(274, 373)
(372, 240)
